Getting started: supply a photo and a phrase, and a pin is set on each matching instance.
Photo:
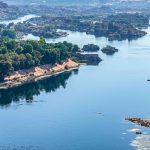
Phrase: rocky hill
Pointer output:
(9, 12)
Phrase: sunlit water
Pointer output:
(84, 110)
(20, 19)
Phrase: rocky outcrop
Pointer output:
(111, 29)
(89, 59)
(118, 31)
(91, 48)
(45, 31)
(139, 121)
(109, 50)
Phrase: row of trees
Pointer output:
(16, 55)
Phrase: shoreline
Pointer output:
(9, 85)
(55, 74)
(35, 79)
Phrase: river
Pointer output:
(20, 19)
(84, 109)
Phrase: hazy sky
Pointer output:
(64, 1)
(52, 1)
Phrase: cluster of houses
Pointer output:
(40, 71)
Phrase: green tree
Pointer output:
(27, 48)
(3, 50)
(75, 48)
(5, 68)
(9, 33)
(11, 45)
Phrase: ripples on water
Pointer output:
(21, 148)
(141, 142)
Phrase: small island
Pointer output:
(89, 59)
(91, 48)
(46, 31)
(139, 121)
(109, 50)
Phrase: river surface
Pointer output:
(20, 19)
(84, 109)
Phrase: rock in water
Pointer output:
(89, 59)
(91, 48)
(139, 121)
(109, 50)
(136, 131)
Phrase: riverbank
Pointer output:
(26, 76)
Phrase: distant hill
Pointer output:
(3, 5)
(56, 2)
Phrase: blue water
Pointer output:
(20, 19)
(87, 110)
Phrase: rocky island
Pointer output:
(89, 59)
(46, 31)
(91, 48)
(139, 121)
(121, 26)
(109, 50)
(109, 28)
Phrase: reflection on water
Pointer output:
(27, 91)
